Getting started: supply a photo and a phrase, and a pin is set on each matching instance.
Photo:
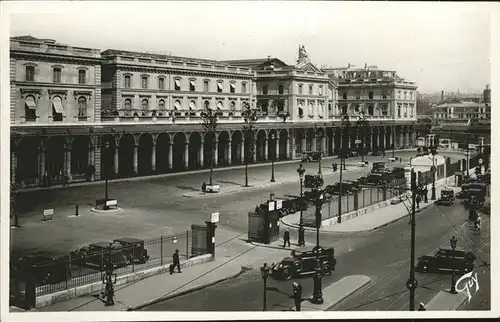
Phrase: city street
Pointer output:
(155, 206)
(382, 255)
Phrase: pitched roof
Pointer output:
(32, 39)
(255, 62)
(307, 66)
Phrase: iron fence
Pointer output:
(87, 266)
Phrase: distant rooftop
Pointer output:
(30, 38)
(119, 52)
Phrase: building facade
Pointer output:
(461, 112)
(148, 118)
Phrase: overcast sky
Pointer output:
(441, 46)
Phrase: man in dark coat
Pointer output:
(417, 200)
(176, 263)
(297, 295)
(426, 192)
(286, 238)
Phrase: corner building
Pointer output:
(73, 108)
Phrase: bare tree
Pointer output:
(209, 121)
(250, 118)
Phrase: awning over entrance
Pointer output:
(192, 83)
(57, 104)
(30, 102)
(219, 85)
(177, 83)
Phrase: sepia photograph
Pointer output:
(247, 159)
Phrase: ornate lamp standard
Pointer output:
(209, 120)
(344, 123)
(362, 124)
(453, 243)
(250, 118)
(433, 171)
(317, 296)
(318, 134)
(106, 173)
(265, 270)
(273, 137)
(301, 172)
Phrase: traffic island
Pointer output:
(446, 301)
(106, 206)
(336, 292)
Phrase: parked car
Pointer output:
(447, 197)
(398, 173)
(311, 156)
(447, 259)
(378, 167)
(133, 249)
(98, 255)
(484, 178)
(304, 263)
(47, 267)
(377, 153)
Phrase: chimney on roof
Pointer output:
(442, 95)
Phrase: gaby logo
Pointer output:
(466, 282)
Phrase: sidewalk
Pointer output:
(371, 220)
(232, 188)
(445, 301)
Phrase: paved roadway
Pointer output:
(382, 254)
(151, 207)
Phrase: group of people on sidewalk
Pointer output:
(48, 179)
(422, 195)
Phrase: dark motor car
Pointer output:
(304, 263)
(48, 267)
(311, 156)
(378, 167)
(447, 196)
(98, 255)
(398, 173)
(133, 249)
(447, 259)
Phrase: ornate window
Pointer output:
(30, 108)
(30, 73)
(310, 89)
(264, 89)
(300, 89)
(145, 104)
(281, 106)
(219, 87)
(207, 105)
(192, 105)
(127, 104)
(399, 110)
(232, 88)
(301, 109)
(344, 95)
(192, 85)
(219, 105)
(205, 86)
(370, 109)
(161, 83)
(232, 106)
(384, 109)
(56, 75)
(321, 90)
(127, 81)
(82, 76)
(177, 84)
(161, 105)
(57, 109)
(370, 95)
(243, 87)
(177, 105)
(82, 106)
(144, 82)
(280, 89)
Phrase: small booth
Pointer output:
(264, 222)
(459, 178)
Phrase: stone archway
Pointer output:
(179, 150)
(283, 145)
(337, 139)
(320, 137)
(300, 144)
(194, 150)
(54, 158)
(126, 155)
(272, 138)
(381, 136)
(145, 150)
(310, 135)
(28, 167)
(162, 153)
(261, 145)
(80, 155)
(237, 151)
(209, 150)
(107, 156)
(388, 137)
(223, 148)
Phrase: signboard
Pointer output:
(113, 202)
(357, 142)
(271, 206)
(47, 214)
(214, 217)
(279, 204)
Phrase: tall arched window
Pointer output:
(280, 89)
(161, 105)
(145, 104)
(82, 106)
(207, 105)
(128, 104)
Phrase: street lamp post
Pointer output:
(317, 296)
(273, 137)
(265, 270)
(433, 171)
(106, 173)
(250, 118)
(344, 125)
(317, 134)
(301, 172)
(453, 243)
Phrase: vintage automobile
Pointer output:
(133, 249)
(48, 267)
(476, 188)
(98, 255)
(348, 187)
(311, 156)
(398, 173)
(379, 178)
(304, 263)
(378, 167)
(484, 178)
(447, 197)
(447, 259)
(377, 153)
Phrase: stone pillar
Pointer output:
(201, 155)
(384, 141)
(153, 158)
(303, 145)
(170, 155)
(373, 136)
(277, 154)
(313, 143)
(13, 158)
(332, 143)
(229, 152)
(68, 163)
(291, 151)
(242, 151)
(135, 158)
(117, 148)
(186, 155)
(413, 138)
(215, 156)
(266, 149)
(392, 135)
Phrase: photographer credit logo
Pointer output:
(466, 283)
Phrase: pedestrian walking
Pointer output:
(426, 192)
(46, 178)
(302, 241)
(421, 307)
(297, 295)
(286, 238)
(418, 199)
(176, 263)
(203, 187)
(478, 222)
